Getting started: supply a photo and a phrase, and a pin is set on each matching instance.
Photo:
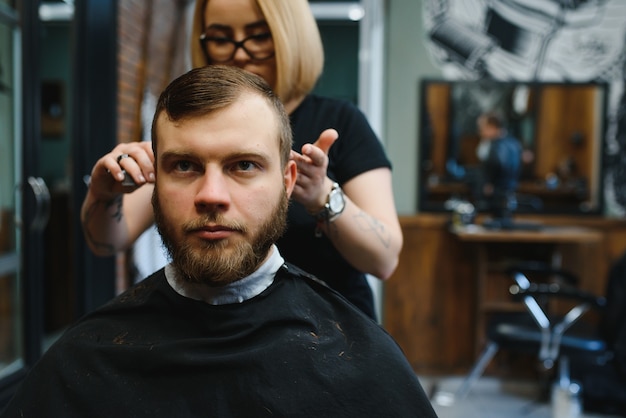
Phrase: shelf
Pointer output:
(502, 307)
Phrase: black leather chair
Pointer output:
(557, 340)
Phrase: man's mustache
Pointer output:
(207, 220)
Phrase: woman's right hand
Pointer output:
(112, 217)
(107, 175)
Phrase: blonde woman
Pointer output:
(342, 221)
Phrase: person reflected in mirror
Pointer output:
(228, 328)
(500, 155)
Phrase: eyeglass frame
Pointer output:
(203, 38)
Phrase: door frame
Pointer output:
(94, 133)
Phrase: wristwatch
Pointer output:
(335, 204)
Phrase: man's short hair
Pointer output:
(205, 90)
(494, 118)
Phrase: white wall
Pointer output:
(407, 61)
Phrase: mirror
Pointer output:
(560, 127)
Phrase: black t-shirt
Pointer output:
(296, 350)
(356, 151)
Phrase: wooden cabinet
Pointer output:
(574, 248)
(434, 304)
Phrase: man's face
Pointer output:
(221, 194)
(486, 130)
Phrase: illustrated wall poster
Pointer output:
(540, 40)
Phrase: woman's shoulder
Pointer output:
(317, 113)
(314, 103)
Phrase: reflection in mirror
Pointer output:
(559, 128)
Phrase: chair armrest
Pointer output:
(542, 269)
(557, 291)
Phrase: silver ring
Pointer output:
(121, 157)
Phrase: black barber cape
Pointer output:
(296, 350)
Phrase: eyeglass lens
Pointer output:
(221, 49)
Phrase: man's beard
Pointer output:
(213, 262)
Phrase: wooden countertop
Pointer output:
(547, 233)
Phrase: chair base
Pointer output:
(447, 398)
(564, 396)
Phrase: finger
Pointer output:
(317, 156)
(326, 139)
(144, 159)
(300, 159)
(134, 158)
(304, 178)
(131, 168)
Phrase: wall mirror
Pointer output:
(560, 126)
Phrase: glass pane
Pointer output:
(11, 349)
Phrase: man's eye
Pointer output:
(245, 165)
(183, 166)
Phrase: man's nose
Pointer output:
(213, 192)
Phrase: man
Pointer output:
(227, 329)
(501, 158)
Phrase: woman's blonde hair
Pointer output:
(297, 42)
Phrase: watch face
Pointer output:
(336, 201)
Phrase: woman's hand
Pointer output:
(368, 233)
(312, 184)
(107, 176)
(112, 217)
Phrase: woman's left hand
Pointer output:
(312, 184)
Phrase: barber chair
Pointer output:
(558, 340)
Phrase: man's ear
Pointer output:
(290, 174)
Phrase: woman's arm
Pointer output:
(113, 215)
(367, 233)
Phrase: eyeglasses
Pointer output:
(220, 49)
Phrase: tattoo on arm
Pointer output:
(89, 214)
(371, 224)
(117, 203)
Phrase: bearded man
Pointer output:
(228, 328)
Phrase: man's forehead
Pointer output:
(237, 125)
(248, 103)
